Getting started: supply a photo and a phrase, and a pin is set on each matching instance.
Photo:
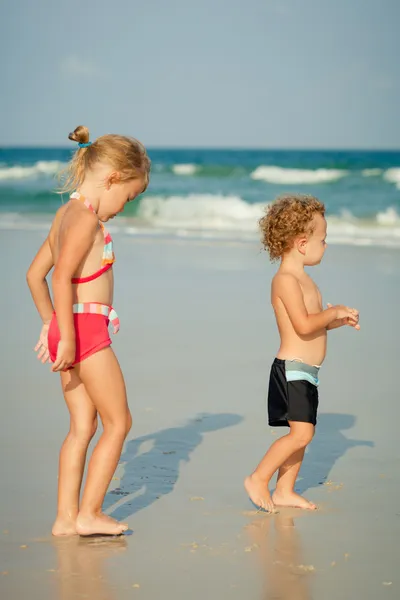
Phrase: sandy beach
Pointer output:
(196, 342)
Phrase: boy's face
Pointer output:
(316, 245)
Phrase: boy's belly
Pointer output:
(311, 352)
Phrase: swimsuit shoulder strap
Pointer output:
(108, 251)
(78, 196)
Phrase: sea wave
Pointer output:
(221, 218)
(200, 211)
(388, 217)
(279, 175)
(184, 169)
(393, 175)
(267, 173)
(220, 215)
(40, 169)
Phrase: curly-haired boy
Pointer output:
(294, 231)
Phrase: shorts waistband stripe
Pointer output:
(293, 375)
(96, 308)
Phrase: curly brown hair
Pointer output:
(286, 218)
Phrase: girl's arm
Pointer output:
(36, 279)
(75, 241)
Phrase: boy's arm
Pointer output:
(336, 324)
(36, 280)
(342, 322)
(288, 289)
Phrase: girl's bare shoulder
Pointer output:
(71, 216)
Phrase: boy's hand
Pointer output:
(42, 347)
(351, 322)
(348, 316)
(65, 355)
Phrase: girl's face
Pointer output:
(117, 194)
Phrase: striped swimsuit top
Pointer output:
(108, 257)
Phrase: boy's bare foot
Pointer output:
(99, 524)
(64, 526)
(292, 499)
(259, 493)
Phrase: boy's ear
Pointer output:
(301, 245)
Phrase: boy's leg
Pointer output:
(105, 385)
(83, 425)
(289, 471)
(297, 439)
(284, 494)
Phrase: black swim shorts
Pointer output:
(292, 393)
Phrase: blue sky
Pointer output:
(227, 73)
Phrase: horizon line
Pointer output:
(219, 148)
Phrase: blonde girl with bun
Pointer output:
(102, 177)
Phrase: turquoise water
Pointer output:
(218, 193)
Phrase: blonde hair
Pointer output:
(125, 154)
(286, 218)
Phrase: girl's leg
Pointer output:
(256, 485)
(83, 425)
(105, 385)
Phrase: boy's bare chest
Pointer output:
(311, 295)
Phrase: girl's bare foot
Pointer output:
(259, 493)
(292, 499)
(64, 526)
(99, 524)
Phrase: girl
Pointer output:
(106, 174)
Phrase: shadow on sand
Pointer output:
(152, 462)
(328, 445)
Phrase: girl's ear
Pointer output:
(112, 178)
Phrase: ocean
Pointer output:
(218, 194)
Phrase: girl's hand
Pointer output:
(42, 347)
(65, 355)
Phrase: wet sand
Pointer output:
(196, 342)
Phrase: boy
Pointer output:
(294, 231)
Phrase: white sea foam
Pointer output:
(280, 175)
(393, 175)
(224, 217)
(39, 169)
(388, 217)
(200, 211)
(184, 169)
(216, 216)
